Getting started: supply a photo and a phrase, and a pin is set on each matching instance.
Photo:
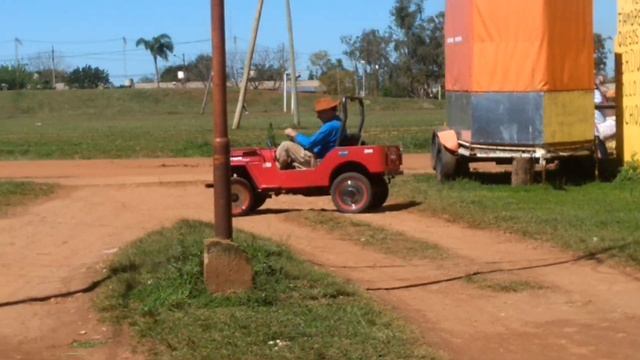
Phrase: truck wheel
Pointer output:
(380, 189)
(351, 193)
(242, 197)
(463, 168)
(435, 145)
(578, 170)
(445, 165)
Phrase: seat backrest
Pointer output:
(349, 140)
(346, 138)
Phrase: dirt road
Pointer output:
(577, 309)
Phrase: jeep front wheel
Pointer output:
(242, 197)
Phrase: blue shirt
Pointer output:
(322, 141)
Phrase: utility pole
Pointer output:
(206, 94)
(184, 71)
(294, 73)
(247, 66)
(284, 92)
(18, 44)
(364, 78)
(124, 61)
(234, 59)
(53, 67)
(355, 77)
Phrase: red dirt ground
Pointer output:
(584, 309)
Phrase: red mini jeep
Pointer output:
(356, 175)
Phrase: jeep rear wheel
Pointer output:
(242, 197)
(380, 189)
(260, 199)
(351, 193)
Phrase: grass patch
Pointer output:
(89, 344)
(502, 285)
(386, 241)
(125, 123)
(630, 172)
(16, 193)
(591, 218)
(294, 312)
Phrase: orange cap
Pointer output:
(326, 103)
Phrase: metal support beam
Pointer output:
(247, 67)
(294, 73)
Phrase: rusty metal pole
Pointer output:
(221, 165)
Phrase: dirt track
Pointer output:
(584, 310)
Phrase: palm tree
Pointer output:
(159, 47)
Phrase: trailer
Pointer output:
(519, 86)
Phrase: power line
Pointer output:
(79, 42)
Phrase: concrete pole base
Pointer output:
(227, 268)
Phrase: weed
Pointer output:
(89, 344)
(631, 171)
(502, 285)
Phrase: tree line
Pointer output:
(404, 60)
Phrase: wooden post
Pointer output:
(247, 67)
(294, 73)
(523, 171)
(206, 94)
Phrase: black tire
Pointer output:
(260, 199)
(445, 165)
(351, 193)
(380, 189)
(435, 145)
(463, 170)
(242, 197)
(578, 170)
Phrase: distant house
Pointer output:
(311, 86)
(304, 86)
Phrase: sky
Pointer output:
(91, 32)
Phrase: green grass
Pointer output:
(502, 285)
(385, 241)
(294, 311)
(125, 123)
(16, 193)
(89, 344)
(589, 218)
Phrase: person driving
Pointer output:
(302, 150)
(605, 126)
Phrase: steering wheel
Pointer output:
(271, 137)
